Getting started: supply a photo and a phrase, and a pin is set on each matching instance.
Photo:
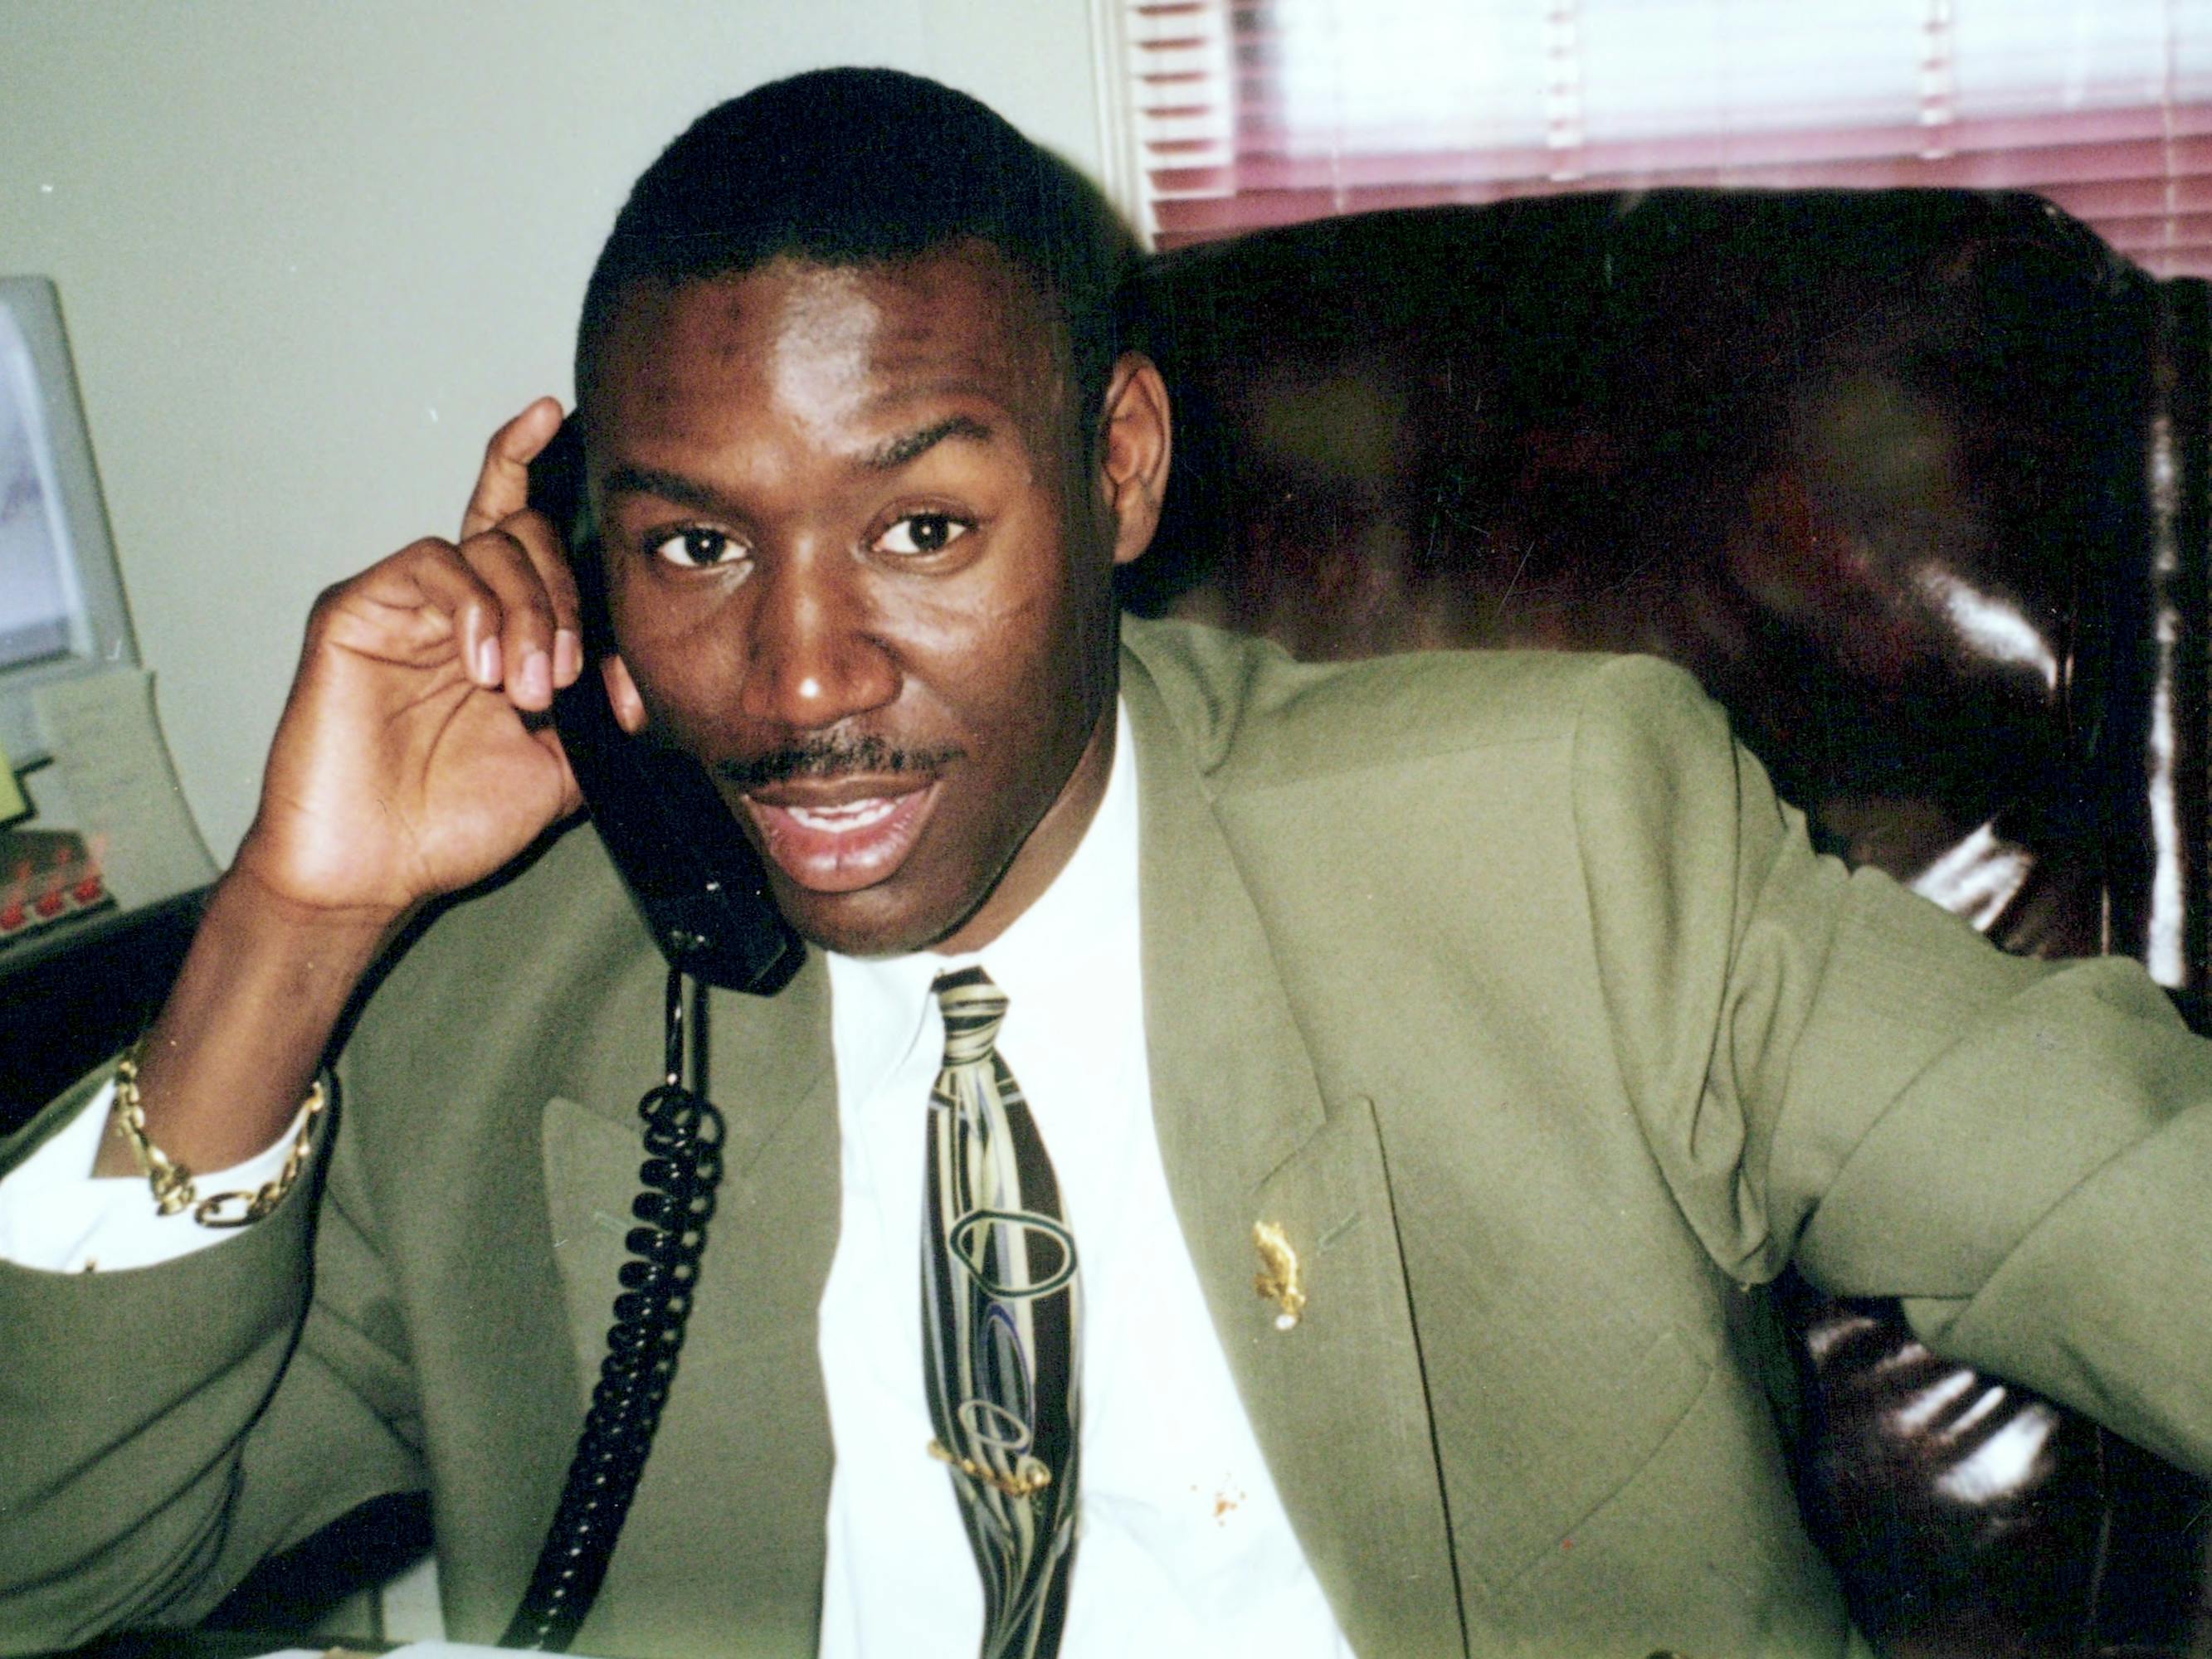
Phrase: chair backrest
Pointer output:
(1916, 483)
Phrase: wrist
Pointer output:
(256, 890)
(224, 1067)
(175, 1188)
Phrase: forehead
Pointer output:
(829, 347)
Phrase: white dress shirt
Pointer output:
(1182, 1544)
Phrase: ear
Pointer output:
(622, 695)
(1132, 472)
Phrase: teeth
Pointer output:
(835, 820)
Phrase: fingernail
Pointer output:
(487, 662)
(535, 681)
(568, 655)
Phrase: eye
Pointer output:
(696, 548)
(921, 533)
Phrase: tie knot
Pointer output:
(972, 1008)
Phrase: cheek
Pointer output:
(681, 660)
(1025, 667)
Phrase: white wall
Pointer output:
(309, 254)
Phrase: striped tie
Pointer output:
(1001, 1314)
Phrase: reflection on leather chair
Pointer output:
(1916, 483)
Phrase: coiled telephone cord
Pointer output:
(683, 1166)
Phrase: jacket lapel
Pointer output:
(741, 1471)
(1337, 1400)
(771, 1058)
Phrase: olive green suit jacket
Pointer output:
(1500, 983)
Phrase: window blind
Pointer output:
(1250, 112)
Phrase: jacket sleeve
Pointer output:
(170, 1425)
(1833, 1071)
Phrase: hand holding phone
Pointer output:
(413, 759)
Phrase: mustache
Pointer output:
(829, 756)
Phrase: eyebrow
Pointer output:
(626, 479)
(888, 457)
(623, 479)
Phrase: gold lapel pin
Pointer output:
(1277, 1277)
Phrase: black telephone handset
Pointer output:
(704, 895)
(693, 875)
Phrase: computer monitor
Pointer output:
(61, 600)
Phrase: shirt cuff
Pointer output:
(55, 1215)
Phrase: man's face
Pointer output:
(853, 567)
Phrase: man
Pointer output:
(1490, 1008)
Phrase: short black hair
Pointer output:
(869, 167)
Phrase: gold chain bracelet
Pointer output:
(172, 1182)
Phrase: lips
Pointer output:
(842, 837)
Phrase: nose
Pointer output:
(813, 658)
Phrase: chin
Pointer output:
(869, 922)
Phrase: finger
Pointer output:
(503, 483)
(527, 620)
(431, 574)
(541, 543)
(423, 599)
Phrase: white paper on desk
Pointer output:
(448, 1651)
(123, 794)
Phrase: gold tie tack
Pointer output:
(1277, 1277)
(1029, 1476)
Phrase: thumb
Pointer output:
(503, 484)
